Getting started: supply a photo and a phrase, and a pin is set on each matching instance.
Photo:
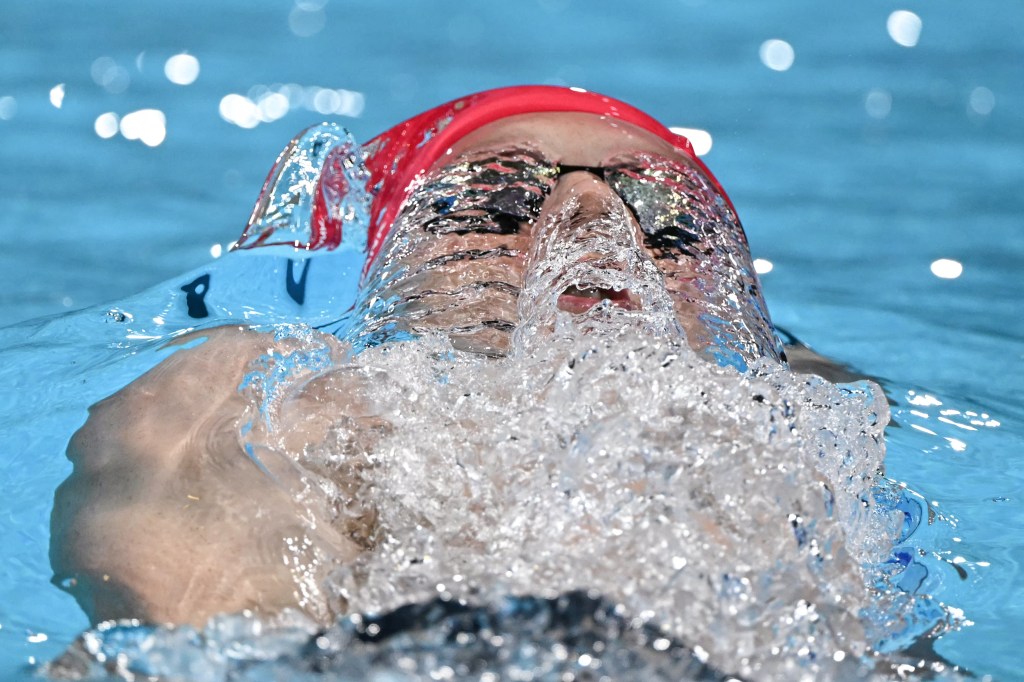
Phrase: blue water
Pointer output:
(853, 171)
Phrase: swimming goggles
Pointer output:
(398, 160)
(679, 212)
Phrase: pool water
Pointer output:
(856, 170)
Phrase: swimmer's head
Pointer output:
(399, 157)
(490, 208)
(569, 209)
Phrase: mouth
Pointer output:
(580, 299)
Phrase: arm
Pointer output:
(166, 518)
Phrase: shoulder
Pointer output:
(196, 384)
(215, 360)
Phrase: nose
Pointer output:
(582, 203)
(586, 246)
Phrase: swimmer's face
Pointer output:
(607, 197)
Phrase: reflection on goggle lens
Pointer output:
(673, 204)
(488, 204)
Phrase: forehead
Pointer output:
(566, 137)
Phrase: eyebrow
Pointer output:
(484, 155)
(472, 254)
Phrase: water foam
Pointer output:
(732, 509)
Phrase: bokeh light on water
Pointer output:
(57, 95)
(904, 27)
(777, 55)
(110, 75)
(266, 104)
(946, 268)
(8, 107)
(182, 69)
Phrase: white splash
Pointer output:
(733, 510)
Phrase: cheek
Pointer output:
(428, 263)
(465, 258)
(499, 273)
(679, 271)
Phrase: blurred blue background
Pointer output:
(874, 152)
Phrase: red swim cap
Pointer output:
(398, 158)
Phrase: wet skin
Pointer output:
(165, 517)
(461, 269)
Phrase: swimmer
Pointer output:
(167, 517)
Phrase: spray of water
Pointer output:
(599, 451)
(489, 435)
